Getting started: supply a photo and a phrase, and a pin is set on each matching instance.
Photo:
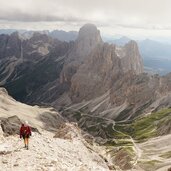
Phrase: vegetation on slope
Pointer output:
(147, 126)
(139, 129)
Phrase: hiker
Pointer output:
(25, 133)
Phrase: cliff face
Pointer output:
(92, 65)
(88, 38)
(130, 57)
(96, 74)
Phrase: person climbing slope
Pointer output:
(25, 133)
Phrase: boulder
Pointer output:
(11, 125)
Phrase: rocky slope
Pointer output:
(48, 153)
(57, 146)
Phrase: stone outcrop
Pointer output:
(95, 76)
(11, 125)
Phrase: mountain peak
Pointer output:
(88, 28)
(91, 33)
(88, 38)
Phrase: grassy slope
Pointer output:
(147, 126)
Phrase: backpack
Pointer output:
(26, 130)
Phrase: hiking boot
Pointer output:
(27, 148)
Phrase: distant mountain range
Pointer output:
(59, 34)
(63, 35)
(156, 55)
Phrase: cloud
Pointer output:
(34, 11)
(26, 17)
(77, 10)
(114, 14)
(145, 27)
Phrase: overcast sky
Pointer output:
(127, 17)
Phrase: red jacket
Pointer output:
(25, 130)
